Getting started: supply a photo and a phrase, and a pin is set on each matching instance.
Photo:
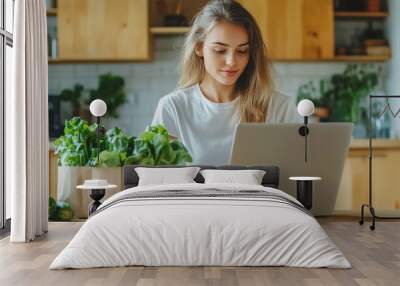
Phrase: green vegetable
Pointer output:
(78, 147)
(64, 212)
(110, 159)
(75, 147)
(153, 147)
(52, 208)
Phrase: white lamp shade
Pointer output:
(305, 107)
(98, 107)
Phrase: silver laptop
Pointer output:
(282, 145)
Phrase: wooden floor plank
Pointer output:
(375, 257)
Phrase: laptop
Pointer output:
(281, 145)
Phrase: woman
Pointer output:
(225, 79)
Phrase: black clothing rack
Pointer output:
(394, 114)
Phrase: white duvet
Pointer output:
(200, 231)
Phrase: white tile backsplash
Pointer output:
(147, 82)
(88, 70)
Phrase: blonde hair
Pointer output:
(255, 84)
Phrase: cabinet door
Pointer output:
(295, 29)
(103, 29)
(385, 182)
(53, 174)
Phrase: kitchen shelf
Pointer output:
(362, 58)
(88, 61)
(51, 12)
(169, 30)
(342, 14)
(358, 58)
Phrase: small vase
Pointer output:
(321, 112)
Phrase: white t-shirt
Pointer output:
(206, 128)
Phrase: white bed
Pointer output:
(207, 230)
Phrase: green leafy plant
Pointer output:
(59, 210)
(52, 208)
(64, 211)
(117, 147)
(342, 92)
(317, 95)
(78, 147)
(111, 90)
(153, 147)
(75, 97)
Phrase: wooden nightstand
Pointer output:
(96, 193)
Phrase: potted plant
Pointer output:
(75, 97)
(317, 96)
(111, 89)
(343, 92)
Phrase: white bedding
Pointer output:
(200, 231)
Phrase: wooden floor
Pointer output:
(375, 257)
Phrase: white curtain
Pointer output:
(27, 124)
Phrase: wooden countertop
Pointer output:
(354, 145)
(376, 144)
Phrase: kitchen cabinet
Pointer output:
(53, 174)
(103, 30)
(295, 29)
(353, 190)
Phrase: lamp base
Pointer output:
(303, 130)
(96, 195)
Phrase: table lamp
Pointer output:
(305, 108)
(98, 108)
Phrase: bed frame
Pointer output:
(270, 179)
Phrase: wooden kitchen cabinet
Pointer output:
(295, 29)
(103, 30)
(53, 174)
(353, 190)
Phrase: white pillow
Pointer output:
(249, 177)
(162, 176)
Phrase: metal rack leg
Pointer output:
(361, 222)
(372, 211)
